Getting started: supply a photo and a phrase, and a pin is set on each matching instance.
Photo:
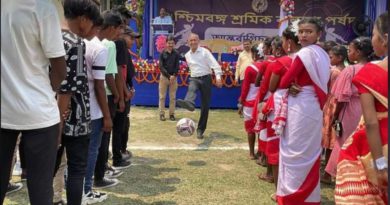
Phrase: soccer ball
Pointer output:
(185, 127)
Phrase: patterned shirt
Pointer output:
(78, 122)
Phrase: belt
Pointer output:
(202, 77)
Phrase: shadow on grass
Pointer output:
(197, 163)
(137, 202)
(208, 140)
(143, 179)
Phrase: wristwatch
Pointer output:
(381, 163)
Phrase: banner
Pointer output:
(223, 24)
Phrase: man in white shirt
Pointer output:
(164, 18)
(31, 40)
(200, 62)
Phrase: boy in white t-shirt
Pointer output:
(30, 42)
(98, 148)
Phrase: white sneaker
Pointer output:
(93, 197)
(113, 173)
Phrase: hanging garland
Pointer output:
(149, 71)
(288, 7)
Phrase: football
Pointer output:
(185, 127)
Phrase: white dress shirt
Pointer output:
(163, 20)
(201, 62)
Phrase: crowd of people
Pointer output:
(305, 99)
(66, 91)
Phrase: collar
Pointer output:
(197, 50)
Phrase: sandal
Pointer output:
(266, 178)
(273, 197)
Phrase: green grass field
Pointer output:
(203, 175)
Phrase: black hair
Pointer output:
(277, 42)
(111, 19)
(99, 21)
(340, 50)
(247, 40)
(382, 23)
(123, 11)
(312, 20)
(255, 49)
(328, 45)
(288, 34)
(77, 8)
(363, 44)
(170, 38)
(268, 41)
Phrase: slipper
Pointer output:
(266, 178)
(273, 197)
(252, 157)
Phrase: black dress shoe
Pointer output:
(172, 117)
(185, 104)
(199, 135)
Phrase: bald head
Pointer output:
(193, 41)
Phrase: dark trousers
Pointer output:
(102, 159)
(118, 132)
(125, 135)
(77, 154)
(203, 84)
(40, 148)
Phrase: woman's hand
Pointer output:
(294, 90)
(240, 111)
(382, 179)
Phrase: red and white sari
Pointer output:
(300, 143)
(248, 96)
(273, 103)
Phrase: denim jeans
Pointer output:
(94, 145)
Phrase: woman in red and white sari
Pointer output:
(278, 69)
(247, 100)
(300, 142)
(362, 169)
(260, 126)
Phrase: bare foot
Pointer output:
(273, 197)
(265, 177)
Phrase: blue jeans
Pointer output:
(94, 145)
